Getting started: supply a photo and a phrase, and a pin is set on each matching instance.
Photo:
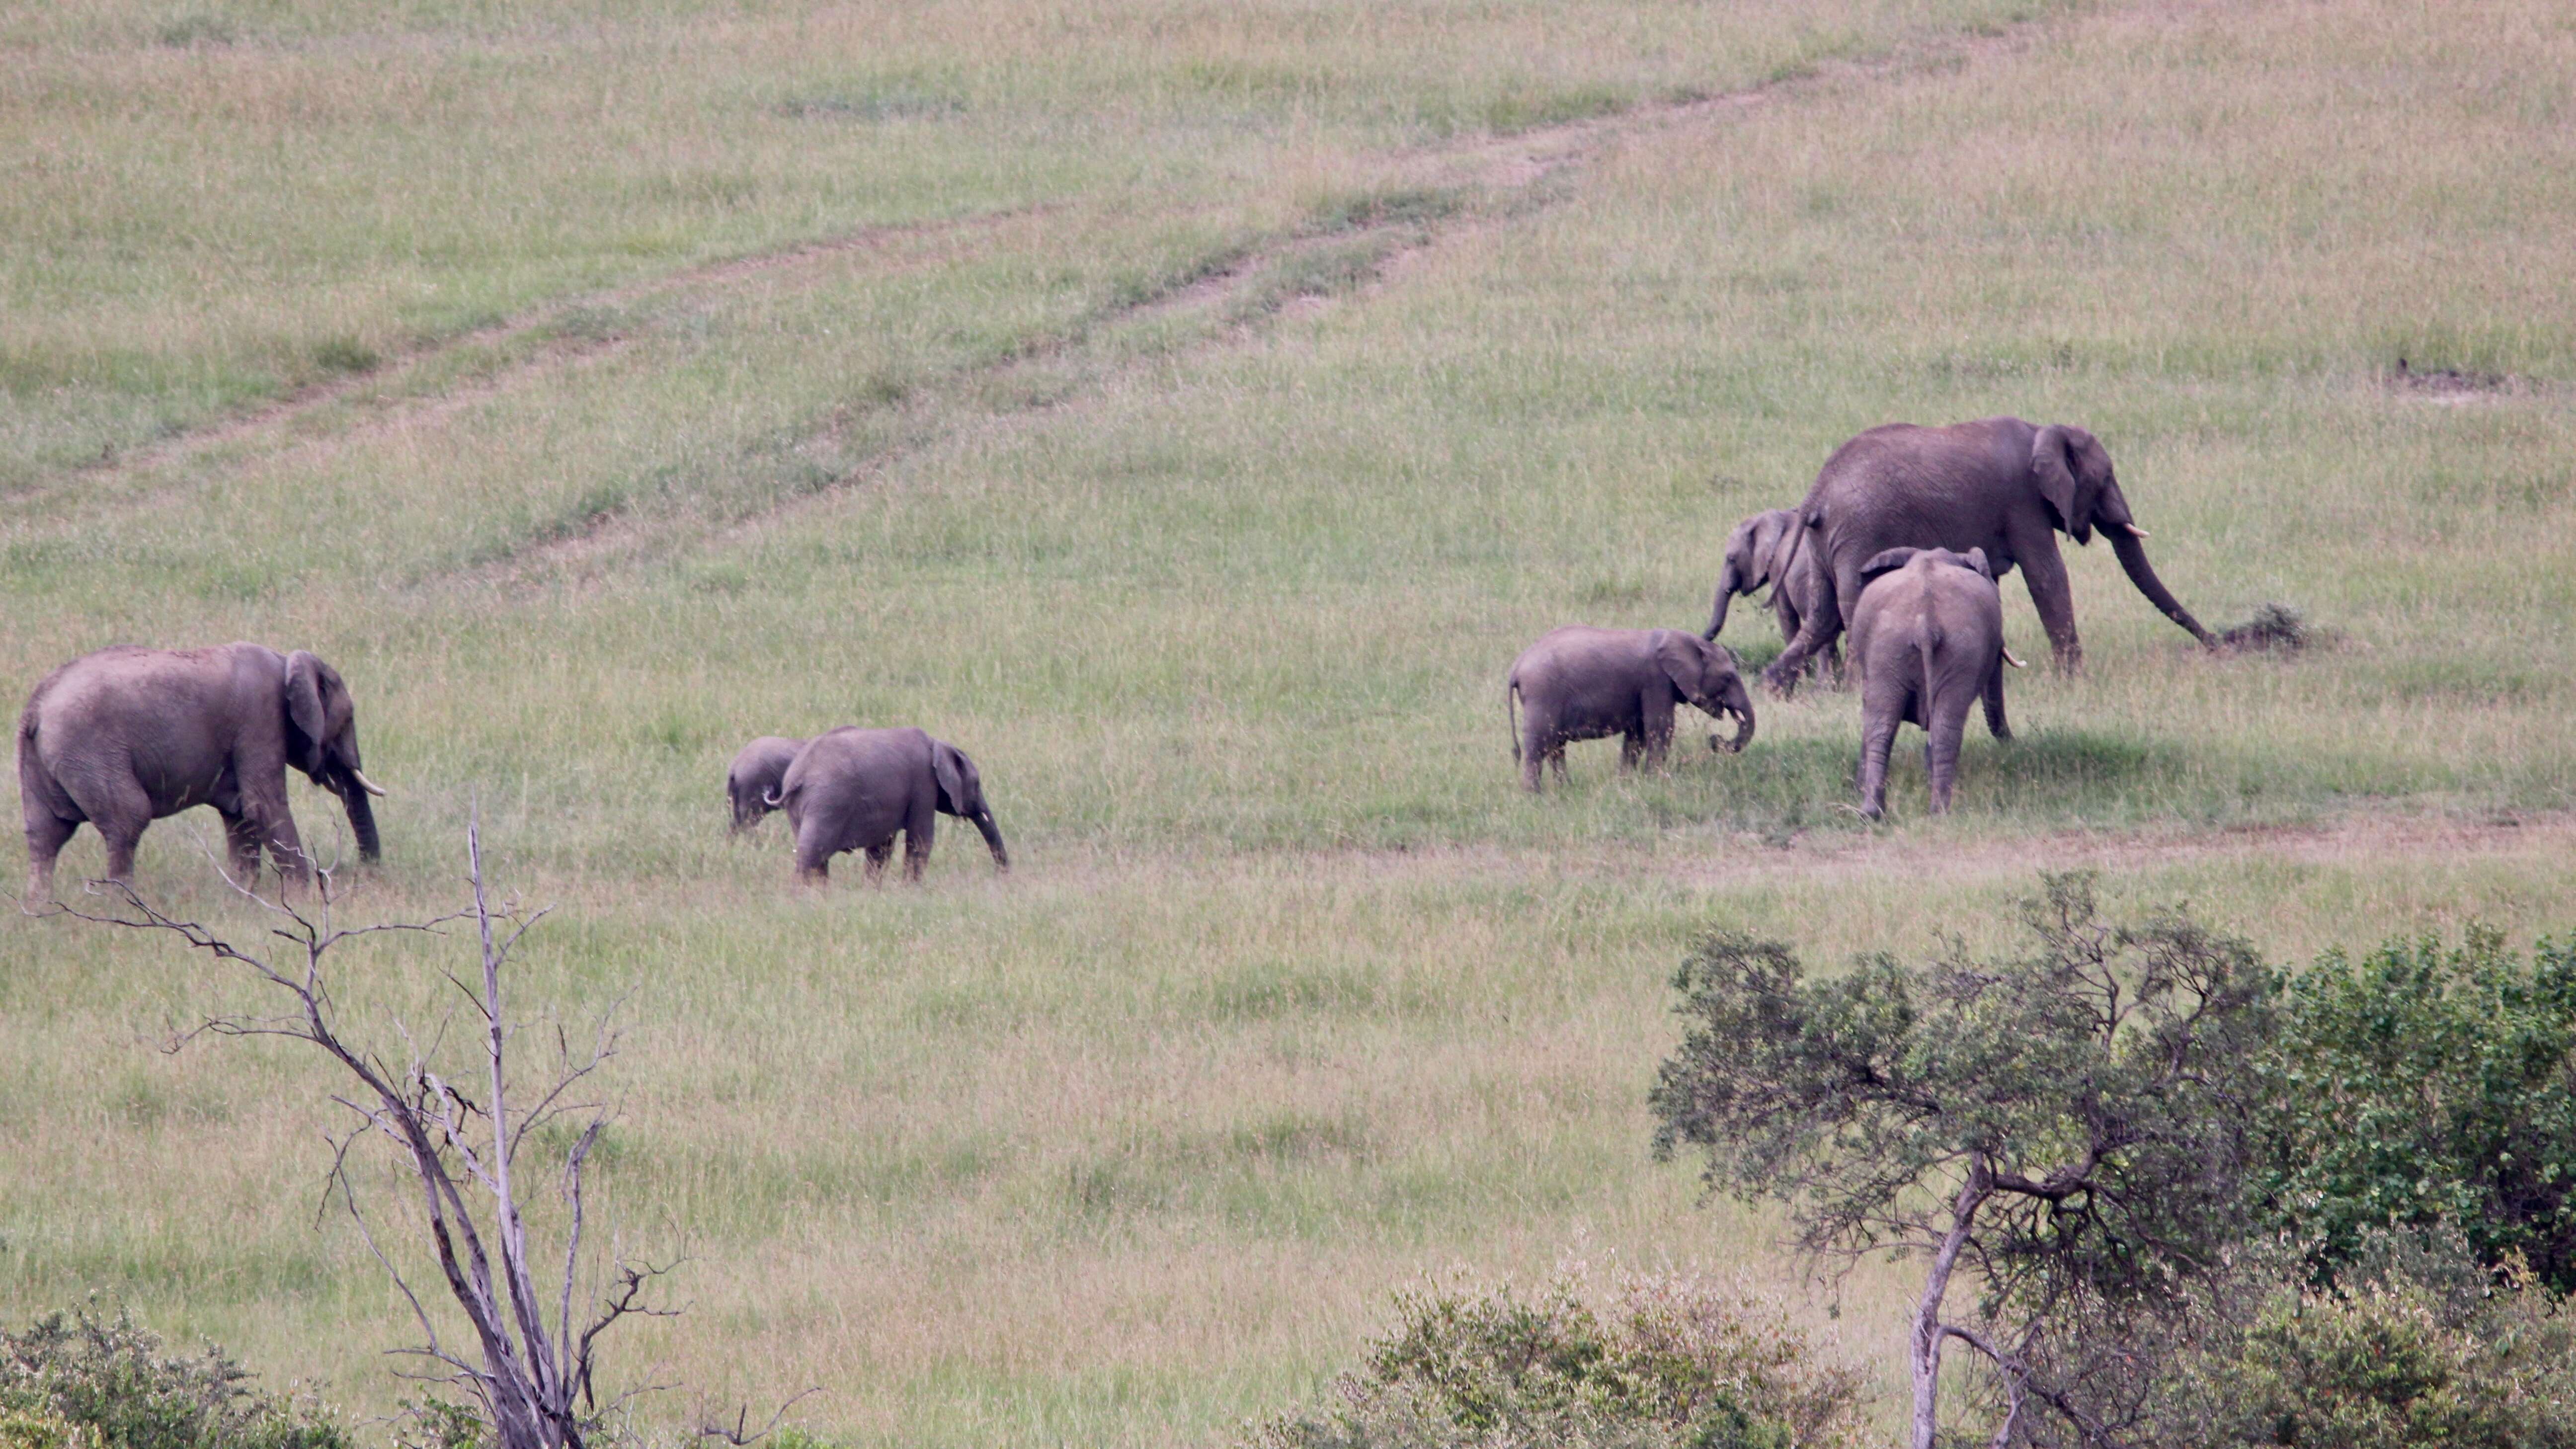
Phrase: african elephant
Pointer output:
(1582, 683)
(126, 736)
(852, 789)
(1767, 549)
(1928, 637)
(1998, 484)
(756, 773)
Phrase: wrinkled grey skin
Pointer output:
(1767, 550)
(1582, 683)
(755, 775)
(1998, 484)
(852, 789)
(126, 736)
(1928, 638)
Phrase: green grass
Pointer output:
(1189, 411)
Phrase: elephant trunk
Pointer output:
(2133, 559)
(992, 838)
(362, 816)
(1725, 596)
(1742, 709)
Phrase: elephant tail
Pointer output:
(1928, 639)
(1511, 719)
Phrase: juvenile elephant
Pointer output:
(1928, 638)
(1767, 550)
(852, 789)
(1582, 683)
(755, 775)
(1998, 484)
(126, 736)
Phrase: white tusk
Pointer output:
(2015, 663)
(370, 786)
(2136, 532)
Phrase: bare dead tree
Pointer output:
(531, 1369)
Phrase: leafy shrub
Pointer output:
(1656, 1362)
(2401, 1354)
(84, 1382)
(42, 1429)
(2425, 1087)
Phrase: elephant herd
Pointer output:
(1898, 543)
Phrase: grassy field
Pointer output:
(1189, 411)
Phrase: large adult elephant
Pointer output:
(126, 736)
(1998, 484)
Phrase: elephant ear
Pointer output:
(950, 767)
(1688, 661)
(1784, 551)
(304, 696)
(1886, 561)
(1774, 529)
(2056, 481)
(1977, 561)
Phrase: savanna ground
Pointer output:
(1189, 410)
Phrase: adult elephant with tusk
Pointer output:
(1998, 484)
(125, 736)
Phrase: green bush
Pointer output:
(1656, 1362)
(2422, 1088)
(2390, 1363)
(79, 1381)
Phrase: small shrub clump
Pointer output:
(1655, 1362)
(80, 1381)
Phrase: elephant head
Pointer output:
(322, 741)
(1757, 553)
(961, 793)
(2074, 477)
(1891, 559)
(1705, 675)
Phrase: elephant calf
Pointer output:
(1928, 637)
(1768, 550)
(126, 736)
(852, 789)
(1581, 683)
(755, 775)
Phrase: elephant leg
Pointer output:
(47, 834)
(878, 855)
(2045, 572)
(815, 845)
(1531, 759)
(1949, 726)
(242, 841)
(920, 828)
(1655, 720)
(285, 847)
(1556, 758)
(1993, 695)
(1822, 625)
(1631, 745)
(1878, 738)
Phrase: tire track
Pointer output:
(1438, 195)
(280, 417)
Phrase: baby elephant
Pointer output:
(1770, 549)
(1581, 683)
(852, 789)
(755, 775)
(1928, 635)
